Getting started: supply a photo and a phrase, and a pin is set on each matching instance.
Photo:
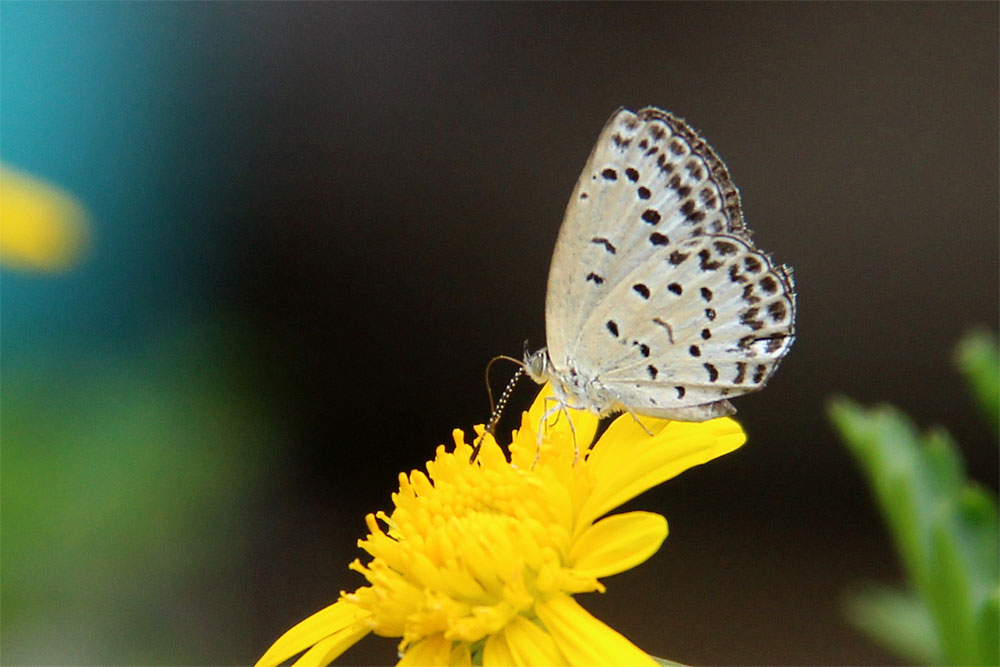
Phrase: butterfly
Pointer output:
(658, 303)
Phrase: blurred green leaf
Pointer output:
(946, 533)
(978, 358)
(127, 484)
(897, 620)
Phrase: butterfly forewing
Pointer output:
(649, 182)
(655, 291)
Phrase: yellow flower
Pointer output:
(479, 563)
(41, 227)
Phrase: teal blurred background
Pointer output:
(134, 432)
(313, 224)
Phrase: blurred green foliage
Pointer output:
(127, 493)
(977, 358)
(944, 526)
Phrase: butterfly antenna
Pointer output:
(496, 409)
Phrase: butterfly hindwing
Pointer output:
(715, 328)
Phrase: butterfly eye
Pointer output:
(536, 365)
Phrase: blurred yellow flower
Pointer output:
(41, 227)
(479, 563)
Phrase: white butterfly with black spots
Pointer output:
(658, 303)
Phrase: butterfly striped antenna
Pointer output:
(497, 408)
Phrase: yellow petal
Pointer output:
(432, 650)
(617, 543)
(461, 655)
(329, 649)
(340, 617)
(42, 226)
(583, 639)
(627, 462)
(530, 644)
(496, 652)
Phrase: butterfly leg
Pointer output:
(560, 407)
(638, 421)
(543, 424)
(572, 429)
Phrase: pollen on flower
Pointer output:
(475, 556)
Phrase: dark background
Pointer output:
(327, 218)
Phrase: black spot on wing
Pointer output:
(631, 174)
(768, 284)
(657, 238)
(676, 257)
(610, 174)
(695, 170)
(706, 294)
(641, 290)
(775, 342)
(594, 278)
(653, 371)
(777, 310)
(706, 263)
(758, 373)
(613, 328)
(676, 288)
(713, 372)
(670, 331)
(741, 372)
(708, 198)
(680, 391)
(651, 216)
(725, 247)
(749, 318)
(606, 243)
(691, 212)
(664, 165)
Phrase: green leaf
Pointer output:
(128, 483)
(978, 358)
(989, 626)
(946, 533)
(896, 620)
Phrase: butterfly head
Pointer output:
(536, 365)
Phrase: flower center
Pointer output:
(465, 553)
